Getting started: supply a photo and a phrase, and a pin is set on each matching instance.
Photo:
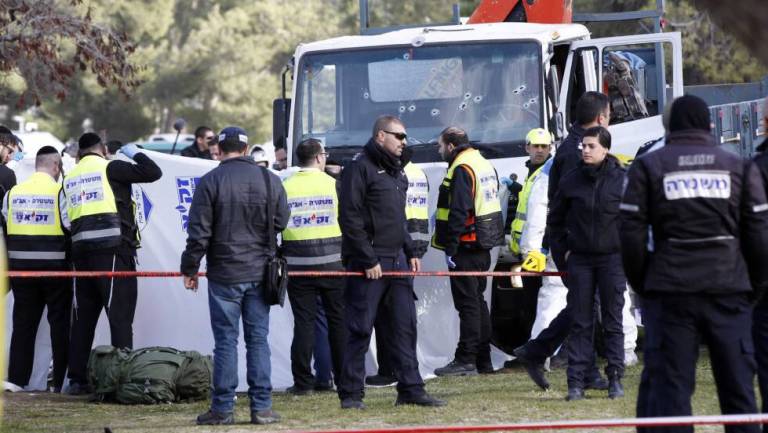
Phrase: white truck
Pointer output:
(496, 80)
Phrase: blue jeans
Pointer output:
(227, 302)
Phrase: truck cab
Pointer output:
(497, 81)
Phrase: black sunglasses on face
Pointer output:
(399, 135)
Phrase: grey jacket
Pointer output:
(227, 222)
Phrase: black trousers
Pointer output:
(363, 299)
(303, 293)
(474, 318)
(30, 297)
(675, 325)
(116, 295)
(383, 340)
(760, 337)
(587, 274)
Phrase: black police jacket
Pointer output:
(228, 222)
(567, 158)
(707, 211)
(584, 214)
(372, 209)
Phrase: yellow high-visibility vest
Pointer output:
(312, 236)
(521, 212)
(35, 233)
(91, 205)
(417, 203)
(484, 227)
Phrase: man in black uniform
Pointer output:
(104, 238)
(592, 109)
(375, 239)
(467, 226)
(709, 217)
(204, 137)
(760, 313)
(7, 176)
(37, 231)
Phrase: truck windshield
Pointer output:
(492, 90)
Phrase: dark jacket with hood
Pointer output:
(584, 214)
(228, 222)
(707, 210)
(372, 208)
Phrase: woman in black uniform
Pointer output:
(584, 235)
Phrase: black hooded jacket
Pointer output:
(584, 214)
(372, 208)
(709, 218)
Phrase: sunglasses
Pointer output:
(399, 135)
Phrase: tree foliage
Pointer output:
(47, 43)
(219, 62)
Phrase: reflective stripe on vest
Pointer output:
(516, 229)
(37, 255)
(487, 208)
(312, 235)
(91, 204)
(308, 261)
(34, 223)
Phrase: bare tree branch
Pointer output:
(37, 41)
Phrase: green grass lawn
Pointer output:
(506, 397)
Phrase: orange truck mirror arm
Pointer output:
(536, 11)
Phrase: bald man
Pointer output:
(36, 222)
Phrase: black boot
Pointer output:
(456, 368)
(575, 394)
(534, 368)
(615, 389)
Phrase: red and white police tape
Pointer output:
(163, 274)
(568, 425)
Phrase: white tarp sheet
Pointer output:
(169, 315)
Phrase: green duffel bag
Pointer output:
(104, 366)
(193, 381)
(148, 376)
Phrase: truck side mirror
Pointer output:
(281, 109)
(553, 87)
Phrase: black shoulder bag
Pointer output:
(276, 269)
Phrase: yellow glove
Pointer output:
(535, 261)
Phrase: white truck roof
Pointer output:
(545, 33)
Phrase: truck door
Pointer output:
(639, 73)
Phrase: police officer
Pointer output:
(375, 239)
(592, 109)
(709, 216)
(584, 236)
(417, 222)
(468, 225)
(312, 241)
(104, 238)
(760, 314)
(37, 230)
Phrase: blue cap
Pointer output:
(233, 134)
